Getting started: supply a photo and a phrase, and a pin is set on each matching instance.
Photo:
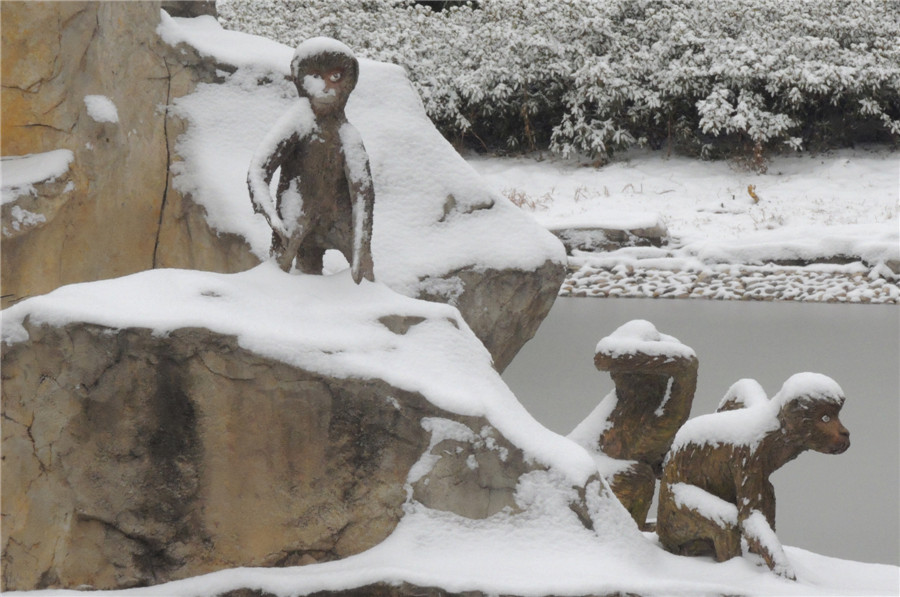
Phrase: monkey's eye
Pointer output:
(335, 76)
(825, 418)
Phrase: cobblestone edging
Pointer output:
(730, 282)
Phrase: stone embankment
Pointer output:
(854, 283)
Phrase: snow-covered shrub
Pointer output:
(590, 76)
(495, 72)
(737, 76)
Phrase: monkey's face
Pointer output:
(327, 80)
(818, 426)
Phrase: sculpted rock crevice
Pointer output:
(162, 206)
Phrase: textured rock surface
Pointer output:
(132, 459)
(595, 239)
(107, 224)
(54, 54)
(504, 307)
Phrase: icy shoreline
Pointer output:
(816, 228)
(853, 283)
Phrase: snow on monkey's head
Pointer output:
(325, 71)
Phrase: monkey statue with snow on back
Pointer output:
(715, 492)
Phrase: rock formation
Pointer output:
(104, 220)
(136, 454)
(438, 233)
(648, 231)
(136, 195)
(213, 457)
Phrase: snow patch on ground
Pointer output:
(838, 211)
(546, 552)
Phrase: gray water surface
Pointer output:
(844, 506)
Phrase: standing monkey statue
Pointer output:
(325, 196)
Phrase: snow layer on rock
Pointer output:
(101, 108)
(21, 173)
(440, 430)
(229, 47)
(325, 324)
(546, 551)
(22, 218)
(433, 213)
(641, 337)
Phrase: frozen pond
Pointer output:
(844, 506)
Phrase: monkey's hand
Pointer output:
(762, 541)
(363, 267)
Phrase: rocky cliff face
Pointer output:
(104, 220)
(133, 459)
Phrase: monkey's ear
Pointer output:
(295, 68)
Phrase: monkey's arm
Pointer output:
(362, 195)
(756, 513)
(269, 156)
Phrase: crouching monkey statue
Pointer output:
(655, 377)
(715, 490)
(325, 195)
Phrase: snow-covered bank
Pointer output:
(820, 228)
(549, 554)
(329, 324)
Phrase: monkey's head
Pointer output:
(809, 407)
(325, 71)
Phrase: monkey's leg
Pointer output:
(686, 531)
(634, 487)
(279, 252)
(310, 255)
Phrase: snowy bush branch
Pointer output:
(734, 77)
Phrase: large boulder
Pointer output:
(93, 79)
(174, 422)
(439, 232)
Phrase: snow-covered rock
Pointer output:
(174, 422)
(86, 79)
(439, 232)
